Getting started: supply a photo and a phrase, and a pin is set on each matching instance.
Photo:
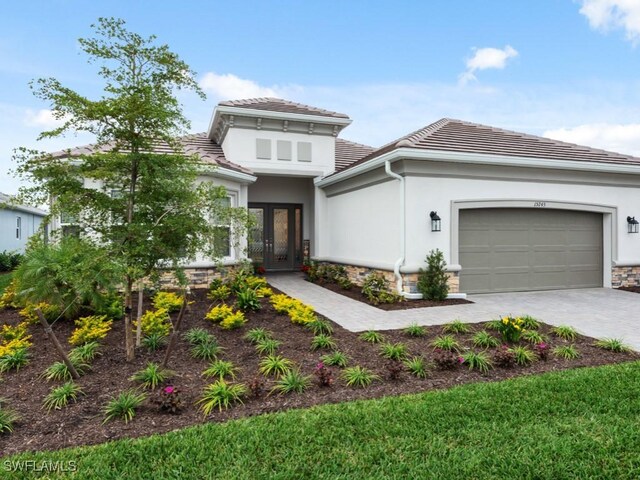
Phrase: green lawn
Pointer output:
(5, 279)
(574, 424)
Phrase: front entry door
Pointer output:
(275, 242)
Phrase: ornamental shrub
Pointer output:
(50, 312)
(233, 321)
(376, 290)
(218, 313)
(432, 282)
(9, 260)
(510, 328)
(168, 300)
(155, 322)
(90, 329)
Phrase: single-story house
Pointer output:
(510, 211)
(17, 224)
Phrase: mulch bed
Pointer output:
(356, 294)
(81, 423)
(630, 289)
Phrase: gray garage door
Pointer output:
(511, 250)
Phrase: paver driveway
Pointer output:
(596, 312)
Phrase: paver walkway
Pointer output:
(596, 312)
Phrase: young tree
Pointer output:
(144, 201)
(433, 282)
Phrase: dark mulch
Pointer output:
(635, 289)
(81, 423)
(356, 293)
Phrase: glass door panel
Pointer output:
(256, 236)
(275, 242)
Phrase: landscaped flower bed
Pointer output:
(279, 356)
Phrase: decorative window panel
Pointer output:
(221, 241)
(284, 150)
(263, 149)
(304, 151)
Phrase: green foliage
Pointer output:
(221, 369)
(456, 326)
(376, 290)
(433, 282)
(613, 344)
(477, 361)
(568, 352)
(256, 335)
(510, 328)
(484, 339)
(123, 406)
(291, 381)
(446, 342)
(320, 326)
(219, 294)
(358, 376)
(371, 336)
(221, 394)
(151, 376)
(60, 371)
(233, 321)
(207, 350)
(169, 301)
(59, 397)
(90, 329)
(415, 330)
(9, 261)
(532, 336)
(218, 313)
(565, 332)
(267, 346)
(153, 341)
(322, 341)
(14, 360)
(523, 355)
(417, 366)
(195, 336)
(530, 323)
(156, 322)
(335, 359)
(7, 419)
(247, 300)
(85, 353)
(394, 351)
(275, 365)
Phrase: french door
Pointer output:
(275, 242)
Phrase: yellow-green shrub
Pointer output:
(264, 292)
(155, 322)
(50, 312)
(298, 312)
(235, 320)
(89, 329)
(219, 313)
(219, 294)
(8, 333)
(10, 347)
(302, 314)
(283, 303)
(255, 283)
(168, 300)
(8, 297)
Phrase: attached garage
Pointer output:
(519, 249)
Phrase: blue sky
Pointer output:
(562, 68)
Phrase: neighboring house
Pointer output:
(17, 224)
(510, 211)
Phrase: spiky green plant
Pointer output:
(154, 341)
(568, 352)
(417, 366)
(60, 371)
(533, 337)
(320, 326)
(275, 365)
(613, 344)
(151, 376)
(494, 324)
(372, 336)
(123, 406)
(59, 397)
(208, 350)
(456, 326)
(221, 394)
(335, 359)
(565, 332)
(196, 336)
(484, 339)
(477, 361)
(394, 351)
(221, 369)
(523, 355)
(322, 341)
(7, 419)
(85, 353)
(14, 360)
(292, 381)
(268, 346)
(256, 335)
(446, 342)
(415, 330)
(530, 323)
(358, 376)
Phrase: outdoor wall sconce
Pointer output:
(632, 225)
(436, 222)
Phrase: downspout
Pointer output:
(403, 220)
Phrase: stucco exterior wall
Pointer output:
(30, 223)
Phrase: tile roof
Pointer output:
(279, 105)
(198, 143)
(349, 152)
(6, 201)
(459, 136)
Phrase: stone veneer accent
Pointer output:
(198, 277)
(625, 276)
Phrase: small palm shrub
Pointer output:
(155, 321)
(219, 294)
(523, 355)
(221, 394)
(195, 336)
(394, 351)
(565, 332)
(335, 359)
(613, 344)
(248, 301)
(446, 342)
(221, 369)
(477, 361)
(358, 376)
(275, 365)
(530, 323)
(151, 376)
(291, 381)
(59, 397)
(417, 366)
(433, 282)
(456, 326)
(14, 359)
(7, 419)
(372, 336)
(233, 321)
(256, 335)
(219, 313)
(320, 327)
(322, 341)
(169, 301)
(267, 346)
(484, 339)
(90, 329)
(208, 350)
(153, 341)
(532, 336)
(60, 371)
(415, 330)
(123, 406)
(568, 352)
(85, 353)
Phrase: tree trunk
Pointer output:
(176, 332)
(128, 333)
(139, 314)
(56, 344)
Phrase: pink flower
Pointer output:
(169, 389)
(320, 366)
(460, 360)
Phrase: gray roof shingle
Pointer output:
(348, 152)
(272, 104)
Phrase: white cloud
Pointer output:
(231, 87)
(606, 15)
(623, 138)
(484, 58)
(42, 119)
